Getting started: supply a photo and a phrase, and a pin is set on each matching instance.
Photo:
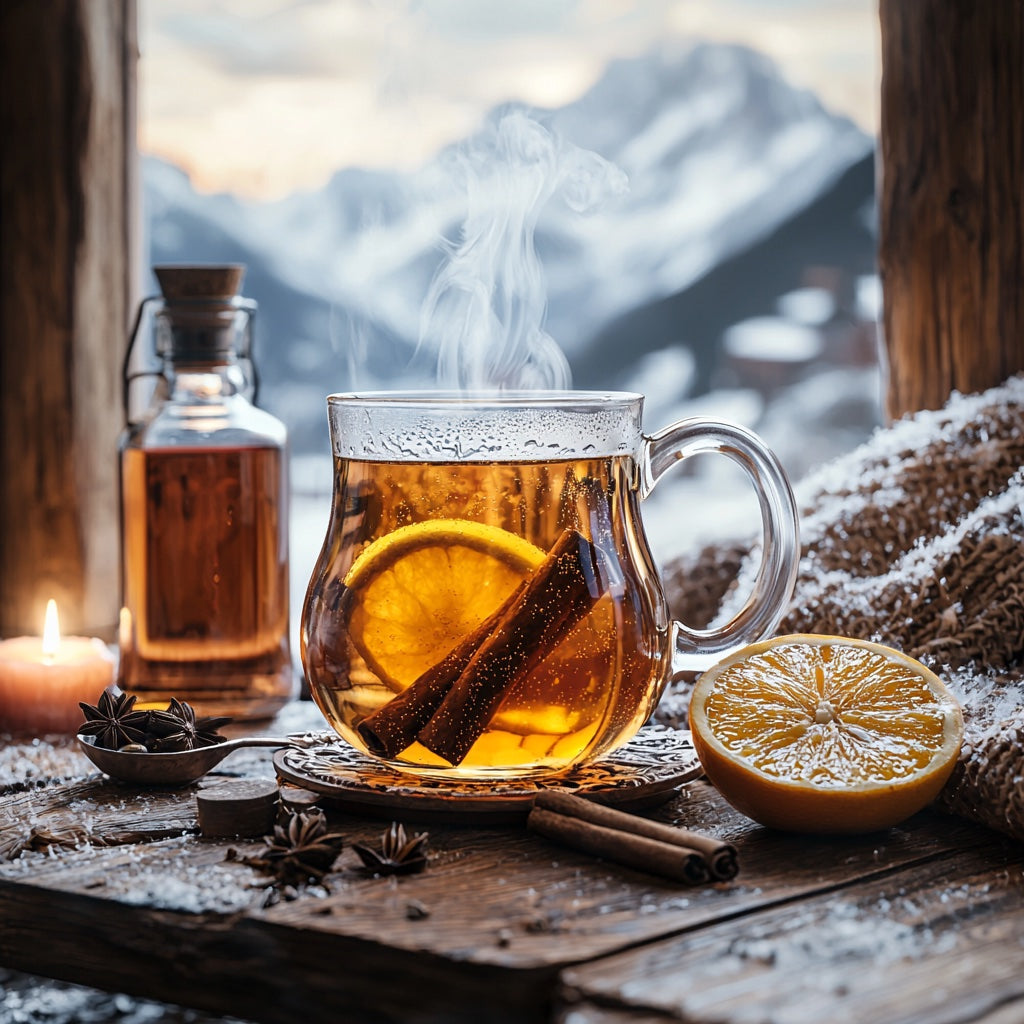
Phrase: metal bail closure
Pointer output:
(199, 316)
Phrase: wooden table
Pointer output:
(921, 923)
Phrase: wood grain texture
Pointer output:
(89, 812)
(500, 914)
(530, 898)
(67, 70)
(939, 943)
(951, 250)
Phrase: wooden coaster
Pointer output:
(646, 772)
(298, 799)
(243, 807)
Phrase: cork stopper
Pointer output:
(199, 282)
(202, 309)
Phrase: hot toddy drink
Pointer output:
(483, 615)
(485, 604)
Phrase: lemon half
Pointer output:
(815, 733)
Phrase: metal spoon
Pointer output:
(177, 768)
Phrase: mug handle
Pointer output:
(697, 649)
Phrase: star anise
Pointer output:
(113, 721)
(177, 729)
(398, 855)
(301, 850)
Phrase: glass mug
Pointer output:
(485, 604)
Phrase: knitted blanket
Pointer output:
(916, 540)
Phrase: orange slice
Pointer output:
(824, 734)
(420, 589)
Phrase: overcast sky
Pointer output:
(261, 97)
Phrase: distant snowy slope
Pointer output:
(719, 151)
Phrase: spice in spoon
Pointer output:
(177, 729)
(116, 725)
(113, 721)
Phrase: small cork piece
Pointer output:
(245, 807)
(295, 798)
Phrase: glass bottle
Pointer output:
(204, 512)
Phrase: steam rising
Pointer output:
(484, 313)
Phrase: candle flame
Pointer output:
(51, 630)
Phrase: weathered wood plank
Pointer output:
(93, 812)
(96, 810)
(495, 918)
(1011, 1012)
(532, 902)
(530, 898)
(67, 71)
(939, 942)
(234, 965)
(506, 911)
(951, 205)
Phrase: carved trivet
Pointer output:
(645, 772)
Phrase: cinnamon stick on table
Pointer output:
(637, 842)
(451, 704)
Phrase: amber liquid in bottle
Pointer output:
(205, 562)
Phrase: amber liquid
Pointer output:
(205, 563)
(593, 691)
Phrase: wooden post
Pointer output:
(952, 197)
(67, 75)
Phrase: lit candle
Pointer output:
(43, 679)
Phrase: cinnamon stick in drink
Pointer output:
(395, 725)
(536, 619)
(392, 727)
(718, 858)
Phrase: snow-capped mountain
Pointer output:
(719, 152)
